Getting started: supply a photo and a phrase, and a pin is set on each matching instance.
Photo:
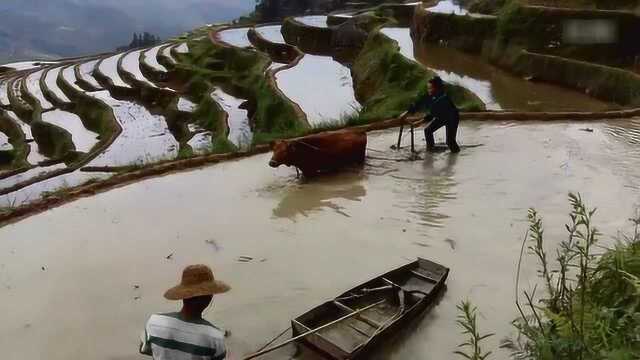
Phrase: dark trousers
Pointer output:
(452, 131)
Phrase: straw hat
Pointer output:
(197, 280)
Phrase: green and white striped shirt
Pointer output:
(170, 337)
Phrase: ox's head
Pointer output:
(283, 152)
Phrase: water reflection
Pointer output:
(272, 33)
(327, 194)
(437, 187)
(497, 89)
(314, 20)
(331, 96)
(235, 37)
(448, 7)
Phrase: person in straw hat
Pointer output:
(185, 334)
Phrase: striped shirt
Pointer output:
(170, 337)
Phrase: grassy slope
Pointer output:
(242, 74)
(387, 82)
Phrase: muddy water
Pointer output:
(145, 137)
(329, 98)
(151, 58)
(36, 191)
(34, 156)
(69, 76)
(498, 89)
(4, 93)
(109, 67)
(240, 133)
(235, 37)
(51, 81)
(4, 143)
(131, 65)
(33, 87)
(272, 33)
(448, 7)
(182, 48)
(166, 52)
(314, 20)
(83, 139)
(185, 105)
(86, 72)
(71, 273)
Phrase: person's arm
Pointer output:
(145, 346)
(220, 352)
(423, 103)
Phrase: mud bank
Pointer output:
(278, 50)
(435, 208)
(310, 39)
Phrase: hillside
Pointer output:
(79, 27)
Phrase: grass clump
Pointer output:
(467, 320)
(591, 306)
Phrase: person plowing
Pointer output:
(441, 112)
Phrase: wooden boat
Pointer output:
(393, 299)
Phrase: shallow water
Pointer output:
(314, 20)
(151, 58)
(4, 92)
(83, 139)
(498, 89)
(69, 76)
(145, 137)
(448, 7)
(86, 73)
(272, 33)
(182, 48)
(33, 86)
(29, 174)
(36, 191)
(27, 65)
(201, 142)
(239, 128)
(51, 81)
(321, 86)
(131, 64)
(167, 53)
(34, 156)
(235, 37)
(16, 88)
(186, 105)
(71, 273)
(4, 142)
(109, 68)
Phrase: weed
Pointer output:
(467, 320)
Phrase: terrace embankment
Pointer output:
(528, 41)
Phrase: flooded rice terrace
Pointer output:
(79, 282)
(497, 89)
(331, 96)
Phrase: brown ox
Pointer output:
(320, 153)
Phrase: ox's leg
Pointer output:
(297, 173)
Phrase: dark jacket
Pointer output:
(439, 106)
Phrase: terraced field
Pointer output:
(213, 90)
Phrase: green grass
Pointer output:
(242, 74)
(590, 307)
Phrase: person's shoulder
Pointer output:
(214, 330)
